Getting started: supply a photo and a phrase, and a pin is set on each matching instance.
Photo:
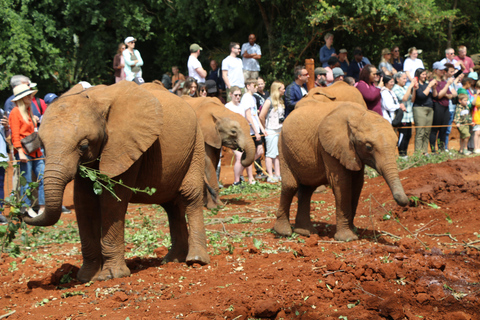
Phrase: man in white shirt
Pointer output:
(232, 69)
(249, 104)
(195, 68)
(251, 53)
(450, 58)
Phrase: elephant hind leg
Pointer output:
(289, 188)
(178, 232)
(303, 223)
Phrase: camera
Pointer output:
(281, 119)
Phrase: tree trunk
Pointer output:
(450, 27)
(268, 27)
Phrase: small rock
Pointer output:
(422, 297)
(266, 308)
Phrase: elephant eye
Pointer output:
(83, 147)
(369, 147)
(234, 132)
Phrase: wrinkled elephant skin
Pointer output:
(330, 143)
(144, 139)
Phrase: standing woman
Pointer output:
(23, 123)
(272, 116)
(397, 60)
(371, 94)
(386, 63)
(119, 63)
(422, 99)
(133, 60)
(234, 106)
(412, 63)
(404, 96)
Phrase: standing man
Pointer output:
(215, 74)
(337, 74)
(327, 50)
(320, 77)
(15, 81)
(467, 61)
(232, 69)
(195, 69)
(356, 65)
(251, 53)
(296, 90)
(342, 57)
(450, 58)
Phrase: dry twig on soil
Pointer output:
(390, 234)
(441, 235)
(373, 295)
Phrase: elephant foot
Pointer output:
(89, 272)
(283, 228)
(213, 205)
(345, 235)
(305, 231)
(175, 255)
(198, 255)
(113, 272)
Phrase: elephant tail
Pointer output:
(212, 192)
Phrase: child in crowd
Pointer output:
(463, 120)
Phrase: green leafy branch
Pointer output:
(102, 181)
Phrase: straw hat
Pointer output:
(22, 90)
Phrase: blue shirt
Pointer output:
(251, 64)
(325, 54)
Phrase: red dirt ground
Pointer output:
(422, 263)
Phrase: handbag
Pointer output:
(397, 121)
(31, 142)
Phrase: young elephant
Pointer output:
(339, 91)
(220, 127)
(330, 143)
(143, 139)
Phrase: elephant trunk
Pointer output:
(54, 186)
(248, 152)
(390, 174)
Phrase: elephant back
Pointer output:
(339, 91)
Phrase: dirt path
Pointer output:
(418, 262)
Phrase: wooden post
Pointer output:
(310, 66)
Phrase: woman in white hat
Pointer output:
(133, 60)
(23, 123)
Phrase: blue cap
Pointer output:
(50, 97)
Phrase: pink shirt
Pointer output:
(467, 62)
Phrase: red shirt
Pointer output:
(21, 129)
(467, 62)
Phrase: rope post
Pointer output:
(310, 66)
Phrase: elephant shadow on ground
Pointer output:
(328, 230)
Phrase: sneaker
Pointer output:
(467, 153)
(404, 157)
(31, 213)
(3, 219)
(279, 178)
(261, 176)
(476, 151)
(237, 183)
(66, 210)
(272, 179)
(253, 182)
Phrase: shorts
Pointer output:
(476, 127)
(258, 142)
(272, 143)
(464, 130)
(247, 74)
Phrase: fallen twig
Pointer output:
(332, 272)
(424, 228)
(426, 247)
(8, 314)
(390, 234)
(373, 295)
(441, 235)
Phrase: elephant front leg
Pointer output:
(303, 223)
(113, 233)
(341, 181)
(87, 210)
(212, 157)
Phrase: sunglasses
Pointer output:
(237, 95)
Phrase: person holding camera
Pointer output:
(272, 116)
(369, 76)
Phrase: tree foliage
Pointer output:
(60, 42)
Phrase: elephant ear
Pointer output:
(134, 120)
(319, 93)
(337, 135)
(208, 123)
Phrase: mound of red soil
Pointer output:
(417, 262)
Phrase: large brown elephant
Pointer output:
(339, 91)
(330, 143)
(144, 139)
(220, 127)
